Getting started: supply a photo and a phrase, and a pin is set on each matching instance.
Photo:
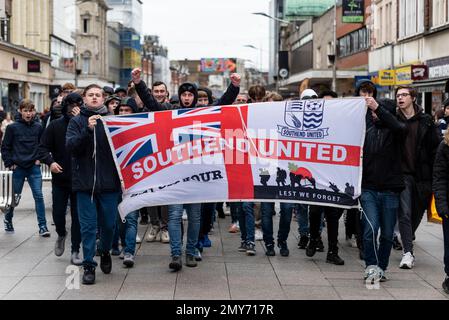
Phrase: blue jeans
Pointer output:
(175, 224)
(34, 177)
(104, 205)
(247, 222)
(285, 219)
(302, 216)
(130, 227)
(380, 211)
(61, 196)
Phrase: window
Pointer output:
(85, 25)
(440, 12)
(62, 55)
(5, 30)
(353, 42)
(86, 62)
(411, 16)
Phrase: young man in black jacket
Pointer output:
(20, 153)
(94, 179)
(418, 154)
(53, 152)
(440, 187)
(380, 187)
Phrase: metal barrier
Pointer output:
(45, 170)
(6, 190)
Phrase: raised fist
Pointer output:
(135, 75)
(235, 79)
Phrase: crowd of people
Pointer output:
(405, 160)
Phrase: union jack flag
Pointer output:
(137, 136)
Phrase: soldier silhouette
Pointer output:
(281, 175)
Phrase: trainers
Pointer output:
(115, 251)
(122, 255)
(8, 226)
(234, 228)
(333, 257)
(43, 232)
(372, 274)
(283, 249)
(382, 276)
(242, 247)
(106, 262)
(258, 235)
(311, 248)
(59, 246)
(138, 240)
(190, 261)
(206, 242)
(75, 259)
(303, 241)
(445, 285)
(198, 256)
(408, 261)
(165, 238)
(128, 260)
(396, 243)
(89, 275)
(152, 235)
(319, 245)
(175, 263)
(250, 249)
(270, 250)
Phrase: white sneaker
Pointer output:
(138, 240)
(153, 234)
(372, 274)
(165, 238)
(408, 261)
(258, 236)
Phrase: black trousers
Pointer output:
(332, 216)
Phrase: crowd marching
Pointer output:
(405, 160)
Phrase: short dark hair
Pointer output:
(159, 83)
(367, 87)
(325, 93)
(256, 93)
(411, 90)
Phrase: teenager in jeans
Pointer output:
(94, 179)
(20, 153)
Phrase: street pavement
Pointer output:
(30, 270)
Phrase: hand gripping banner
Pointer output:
(307, 151)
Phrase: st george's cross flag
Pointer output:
(304, 151)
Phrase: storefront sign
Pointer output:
(404, 76)
(438, 68)
(420, 72)
(386, 77)
(34, 66)
(353, 11)
(304, 9)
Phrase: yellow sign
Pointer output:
(404, 76)
(386, 77)
(432, 215)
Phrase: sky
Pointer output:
(196, 29)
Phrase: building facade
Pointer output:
(92, 43)
(25, 70)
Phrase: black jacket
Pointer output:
(21, 143)
(427, 141)
(53, 149)
(440, 184)
(151, 103)
(382, 150)
(80, 143)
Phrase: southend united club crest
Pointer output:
(303, 119)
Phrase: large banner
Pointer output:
(305, 151)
